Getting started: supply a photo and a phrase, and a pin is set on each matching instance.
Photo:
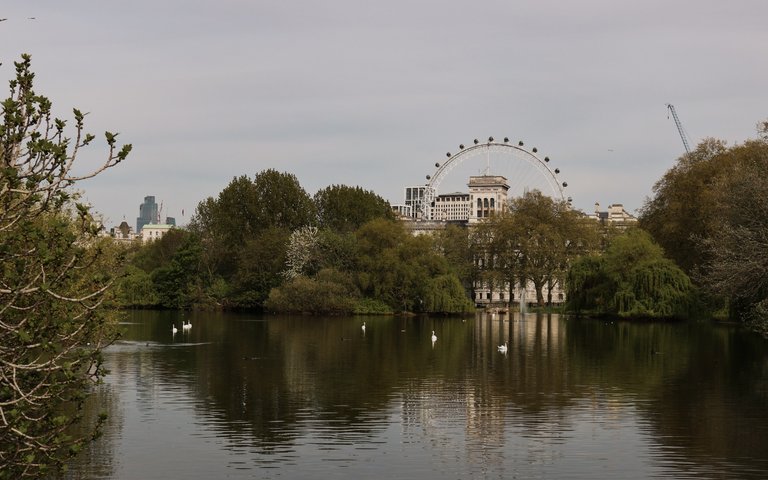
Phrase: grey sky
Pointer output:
(374, 93)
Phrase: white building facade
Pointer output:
(154, 231)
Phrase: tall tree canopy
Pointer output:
(534, 239)
(54, 273)
(345, 209)
(709, 214)
(234, 227)
(246, 207)
(685, 203)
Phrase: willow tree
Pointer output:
(54, 275)
(631, 279)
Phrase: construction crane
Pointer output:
(683, 136)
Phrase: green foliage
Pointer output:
(345, 209)
(327, 294)
(55, 277)
(379, 269)
(535, 241)
(259, 266)
(400, 269)
(708, 213)
(685, 203)
(135, 289)
(445, 294)
(165, 273)
(158, 253)
(632, 279)
(371, 306)
(737, 251)
(238, 230)
(454, 244)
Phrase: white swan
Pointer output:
(363, 327)
(174, 329)
(503, 348)
(434, 337)
(186, 326)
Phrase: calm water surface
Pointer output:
(241, 396)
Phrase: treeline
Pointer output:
(700, 248)
(710, 214)
(702, 245)
(264, 243)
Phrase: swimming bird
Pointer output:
(434, 337)
(363, 327)
(186, 326)
(174, 329)
(503, 348)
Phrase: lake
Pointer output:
(252, 396)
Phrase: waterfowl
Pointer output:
(434, 337)
(503, 348)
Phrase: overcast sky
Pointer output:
(374, 93)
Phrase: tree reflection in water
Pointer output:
(570, 398)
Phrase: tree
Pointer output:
(243, 211)
(54, 275)
(534, 240)
(708, 213)
(406, 272)
(345, 209)
(685, 203)
(737, 251)
(175, 282)
(330, 293)
(631, 279)
(302, 253)
(454, 242)
(260, 264)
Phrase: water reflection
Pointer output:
(311, 397)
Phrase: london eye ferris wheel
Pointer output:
(523, 169)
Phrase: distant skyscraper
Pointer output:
(147, 213)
